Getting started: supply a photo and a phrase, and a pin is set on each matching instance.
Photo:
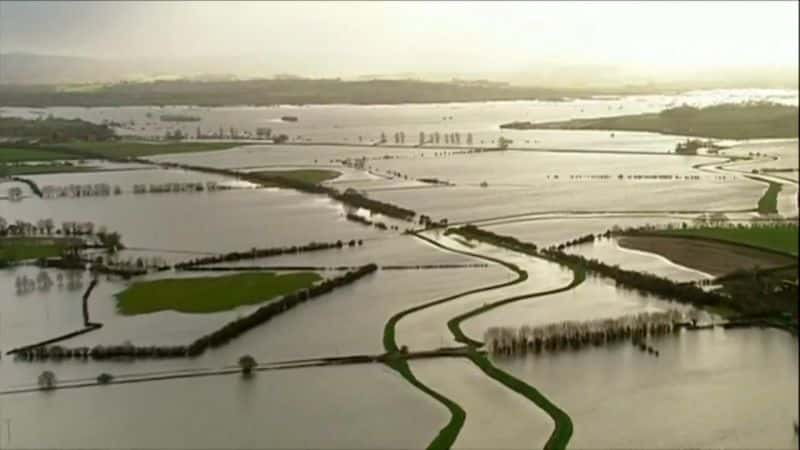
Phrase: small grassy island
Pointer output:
(14, 249)
(210, 294)
(757, 120)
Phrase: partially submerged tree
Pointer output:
(105, 378)
(47, 380)
(247, 363)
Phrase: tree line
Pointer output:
(265, 253)
(640, 281)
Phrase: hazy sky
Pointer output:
(359, 38)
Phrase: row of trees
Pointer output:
(214, 339)
(578, 241)
(553, 337)
(255, 253)
(642, 281)
(47, 227)
(510, 242)
(364, 221)
(436, 137)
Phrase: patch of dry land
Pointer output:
(715, 258)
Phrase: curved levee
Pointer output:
(448, 434)
(563, 429)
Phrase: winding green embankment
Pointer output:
(448, 434)
(563, 425)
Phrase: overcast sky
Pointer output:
(359, 38)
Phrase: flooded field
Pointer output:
(692, 395)
(272, 407)
(708, 388)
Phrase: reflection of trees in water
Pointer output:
(44, 281)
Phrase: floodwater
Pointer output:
(716, 388)
(707, 389)
(343, 407)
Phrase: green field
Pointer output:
(7, 170)
(210, 294)
(105, 150)
(782, 239)
(11, 154)
(18, 249)
(313, 176)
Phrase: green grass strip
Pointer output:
(210, 294)
(562, 432)
(563, 429)
(447, 435)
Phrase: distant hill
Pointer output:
(759, 120)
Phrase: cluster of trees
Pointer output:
(100, 352)
(435, 181)
(436, 137)
(214, 339)
(15, 193)
(233, 134)
(254, 253)
(427, 222)
(46, 227)
(510, 242)
(364, 221)
(691, 146)
(51, 129)
(176, 135)
(553, 337)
